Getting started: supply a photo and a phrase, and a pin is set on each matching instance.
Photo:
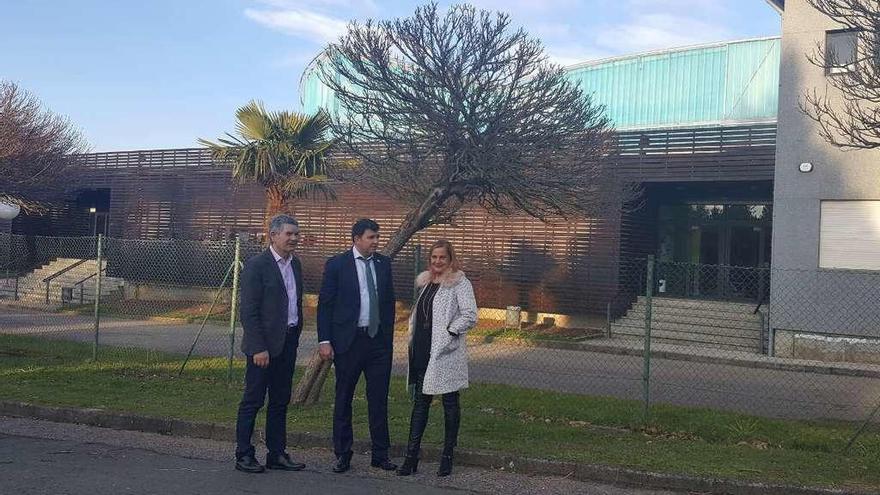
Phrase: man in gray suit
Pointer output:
(271, 314)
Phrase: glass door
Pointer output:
(705, 252)
(714, 250)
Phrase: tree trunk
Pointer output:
(416, 220)
(274, 203)
(309, 389)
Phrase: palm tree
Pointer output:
(283, 151)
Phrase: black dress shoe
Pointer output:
(282, 461)
(249, 464)
(343, 463)
(384, 465)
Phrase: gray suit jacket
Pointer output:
(264, 304)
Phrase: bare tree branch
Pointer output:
(849, 119)
(36, 147)
(443, 110)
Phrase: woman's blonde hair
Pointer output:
(450, 251)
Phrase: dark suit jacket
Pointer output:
(264, 304)
(339, 302)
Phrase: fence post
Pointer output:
(417, 268)
(233, 307)
(608, 319)
(98, 258)
(646, 371)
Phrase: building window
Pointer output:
(849, 235)
(840, 50)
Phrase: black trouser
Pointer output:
(277, 378)
(419, 421)
(372, 357)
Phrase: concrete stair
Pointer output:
(692, 322)
(31, 290)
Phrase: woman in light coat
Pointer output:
(444, 311)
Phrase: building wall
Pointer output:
(803, 296)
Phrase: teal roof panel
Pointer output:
(719, 84)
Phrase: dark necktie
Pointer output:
(373, 327)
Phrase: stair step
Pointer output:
(699, 326)
(694, 322)
(689, 337)
(706, 314)
(691, 343)
(709, 305)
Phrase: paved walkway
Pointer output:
(39, 457)
(747, 387)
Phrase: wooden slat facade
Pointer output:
(564, 267)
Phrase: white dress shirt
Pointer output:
(364, 316)
(289, 284)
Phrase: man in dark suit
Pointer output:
(271, 314)
(356, 330)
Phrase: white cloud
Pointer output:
(526, 6)
(570, 54)
(359, 6)
(691, 6)
(551, 30)
(656, 31)
(300, 22)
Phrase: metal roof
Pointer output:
(778, 5)
(725, 83)
(719, 84)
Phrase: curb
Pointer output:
(582, 472)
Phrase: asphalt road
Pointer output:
(760, 391)
(38, 457)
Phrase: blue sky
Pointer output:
(162, 73)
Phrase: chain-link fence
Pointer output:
(774, 343)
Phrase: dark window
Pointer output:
(840, 50)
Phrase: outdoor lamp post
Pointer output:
(93, 220)
(8, 212)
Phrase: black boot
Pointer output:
(417, 423)
(410, 466)
(452, 420)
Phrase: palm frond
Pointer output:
(253, 122)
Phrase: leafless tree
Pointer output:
(848, 115)
(36, 147)
(446, 109)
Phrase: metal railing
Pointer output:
(15, 275)
(57, 274)
(701, 281)
(82, 282)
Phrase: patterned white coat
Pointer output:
(454, 313)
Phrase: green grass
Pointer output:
(495, 417)
(490, 333)
(194, 312)
(191, 312)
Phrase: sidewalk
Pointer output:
(697, 354)
(19, 317)
(52, 457)
(487, 481)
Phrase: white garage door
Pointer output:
(849, 235)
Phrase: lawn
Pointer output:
(596, 430)
(194, 312)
